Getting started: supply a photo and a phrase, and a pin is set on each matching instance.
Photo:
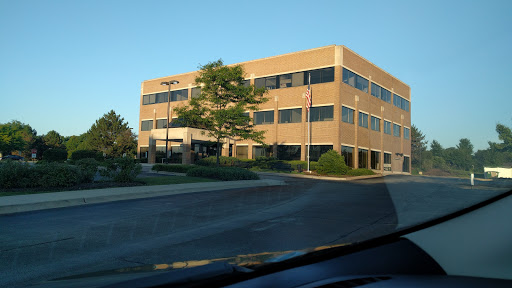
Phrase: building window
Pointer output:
(400, 102)
(405, 166)
(295, 79)
(161, 123)
(242, 152)
(375, 160)
(179, 95)
(260, 151)
(396, 130)
(317, 150)
(407, 132)
(246, 82)
(264, 117)
(375, 124)
(348, 155)
(322, 75)
(196, 91)
(363, 158)
(143, 152)
(288, 152)
(355, 80)
(387, 162)
(146, 125)
(290, 116)
(363, 120)
(387, 127)
(347, 115)
(322, 113)
(381, 93)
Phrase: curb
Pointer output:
(33, 202)
(322, 177)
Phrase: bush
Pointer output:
(84, 154)
(304, 165)
(223, 173)
(331, 162)
(55, 175)
(212, 161)
(121, 169)
(14, 174)
(55, 155)
(88, 167)
(263, 162)
(360, 172)
(172, 168)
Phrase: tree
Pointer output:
(221, 105)
(436, 149)
(465, 154)
(75, 143)
(505, 135)
(418, 146)
(53, 139)
(111, 136)
(16, 136)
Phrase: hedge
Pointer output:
(172, 168)
(55, 155)
(223, 173)
(360, 172)
(22, 175)
(304, 164)
(84, 154)
(212, 161)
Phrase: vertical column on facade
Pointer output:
(304, 129)
(382, 139)
(154, 119)
(249, 149)
(336, 143)
(187, 143)
(276, 125)
(151, 150)
(402, 139)
(356, 125)
(225, 147)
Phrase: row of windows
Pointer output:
(295, 79)
(347, 115)
(348, 155)
(177, 95)
(322, 113)
(401, 102)
(381, 93)
(355, 80)
(361, 83)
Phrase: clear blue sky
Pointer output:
(63, 64)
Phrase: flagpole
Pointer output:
(309, 122)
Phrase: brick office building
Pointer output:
(358, 110)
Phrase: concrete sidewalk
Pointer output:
(32, 202)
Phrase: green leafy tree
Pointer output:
(53, 139)
(75, 143)
(505, 135)
(16, 136)
(111, 135)
(436, 149)
(221, 105)
(418, 147)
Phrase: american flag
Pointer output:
(308, 99)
